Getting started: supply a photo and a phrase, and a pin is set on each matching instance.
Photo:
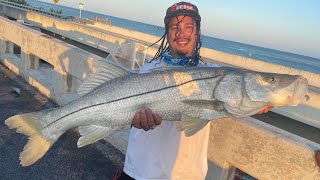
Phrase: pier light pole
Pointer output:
(80, 7)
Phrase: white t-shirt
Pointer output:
(166, 153)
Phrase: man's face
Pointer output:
(182, 36)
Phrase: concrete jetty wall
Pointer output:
(57, 69)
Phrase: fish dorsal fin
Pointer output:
(191, 125)
(105, 71)
(92, 133)
(166, 68)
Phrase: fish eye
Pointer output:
(269, 79)
(273, 79)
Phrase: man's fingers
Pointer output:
(157, 119)
(144, 120)
(150, 118)
(265, 110)
(270, 107)
(136, 120)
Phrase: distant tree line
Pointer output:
(56, 11)
(23, 2)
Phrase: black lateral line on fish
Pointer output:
(168, 87)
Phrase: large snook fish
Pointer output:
(191, 96)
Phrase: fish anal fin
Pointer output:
(92, 133)
(191, 125)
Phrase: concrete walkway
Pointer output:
(64, 160)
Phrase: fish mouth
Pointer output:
(299, 91)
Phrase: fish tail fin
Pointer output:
(30, 125)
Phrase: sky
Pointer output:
(287, 25)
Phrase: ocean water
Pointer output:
(260, 53)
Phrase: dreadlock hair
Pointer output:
(198, 43)
(164, 45)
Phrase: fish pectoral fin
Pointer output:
(205, 104)
(92, 133)
(191, 125)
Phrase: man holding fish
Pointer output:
(165, 152)
(177, 103)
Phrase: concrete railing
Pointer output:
(264, 151)
(63, 66)
(100, 36)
